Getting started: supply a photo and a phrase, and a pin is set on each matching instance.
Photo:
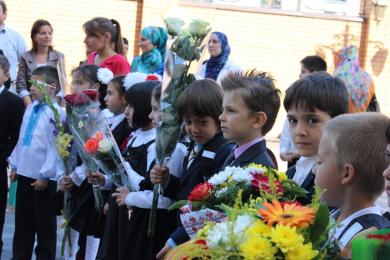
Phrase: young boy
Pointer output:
(312, 64)
(36, 162)
(200, 106)
(310, 102)
(11, 111)
(350, 166)
(386, 173)
(250, 106)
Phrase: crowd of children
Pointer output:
(224, 125)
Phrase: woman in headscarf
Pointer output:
(358, 82)
(219, 64)
(152, 43)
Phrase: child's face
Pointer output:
(386, 174)
(3, 76)
(129, 111)
(238, 122)
(96, 43)
(155, 115)
(328, 174)
(306, 129)
(115, 102)
(36, 94)
(79, 83)
(200, 129)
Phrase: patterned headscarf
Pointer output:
(151, 61)
(358, 82)
(215, 64)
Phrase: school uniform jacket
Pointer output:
(257, 153)
(307, 184)
(11, 115)
(210, 157)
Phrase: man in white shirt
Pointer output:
(11, 43)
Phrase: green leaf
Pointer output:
(321, 222)
(178, 205)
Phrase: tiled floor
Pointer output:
(8, 234)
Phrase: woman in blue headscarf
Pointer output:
(219, 64)
(152, 43)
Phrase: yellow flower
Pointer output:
(282, 176)
(290, 214)
(254, 165)
(260, 229)
(258, 248)
(286, 238)
(303, 252)
(62, 144)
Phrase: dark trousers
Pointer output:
(35, 214)
(3, 201)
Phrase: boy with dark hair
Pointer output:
(312, 64)
(310, 102)
(11, 114)
(36, 162)
(250, 106)
(351, 161)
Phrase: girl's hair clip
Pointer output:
(104, 75)
(154, 77)
(133, 78)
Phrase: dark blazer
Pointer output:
(121, 132)
(257, 153)
(11, 115)
(202, 167)
(308, 184)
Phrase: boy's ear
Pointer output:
(6, 76)
(349, 174)
(260, 119)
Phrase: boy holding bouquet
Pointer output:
(36, 163)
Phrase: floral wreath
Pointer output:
(104, 75)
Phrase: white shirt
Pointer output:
(1, 89)
(286, 143)
(355, 228)
(35, 154)
(303, 167)
(229, 66)
(13, 46)
(116, 120)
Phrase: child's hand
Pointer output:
(120, 195)
(163, 252)
(159, 174)
(96, 178)
(105, 208)
(12, 176)
(66, 184)
(40, 184)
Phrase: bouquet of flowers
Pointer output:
(68, 153)
(223, 188)
(374, 245)
(184, 48)
(264, 230)
(96, 144)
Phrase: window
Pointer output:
(336, 7)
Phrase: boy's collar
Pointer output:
(238, 150)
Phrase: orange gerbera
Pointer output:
(288, 214)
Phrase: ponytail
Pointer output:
(118, 39)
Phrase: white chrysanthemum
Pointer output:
(256, 170)
(242, 175)
(220, 192)
(242, 223)
(133, 78)
(104, 75)
(217, 234)
(220, 177)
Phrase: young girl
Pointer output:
(200, 106)
(86, 219)
(140, 156)
(104, 39)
